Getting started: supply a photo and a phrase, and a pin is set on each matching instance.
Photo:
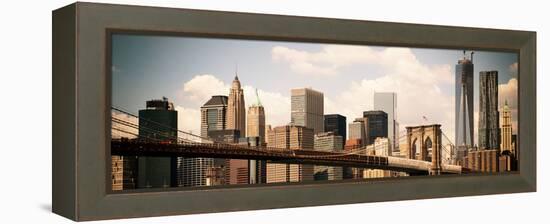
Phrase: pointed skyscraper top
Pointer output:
(236, 83)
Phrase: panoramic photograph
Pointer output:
(202, 112)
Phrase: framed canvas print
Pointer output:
(201, 111)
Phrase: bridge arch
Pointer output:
(424, 143)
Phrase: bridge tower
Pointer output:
(424, 143)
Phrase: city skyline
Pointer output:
(362, 71)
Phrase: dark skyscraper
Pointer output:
(464, 110)
(158, 122)
(336, 123)
(376, 126)
(489, 128)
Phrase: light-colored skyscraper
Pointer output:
(464, 108)
(328, 142)
(357, 130)
(307, 109)
(289, 137)
(235, 108)
(256, 120)
(387, 102)
(506, 130)
(195, 170)
(489, 128)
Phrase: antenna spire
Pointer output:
(236, 71)
(258, 102)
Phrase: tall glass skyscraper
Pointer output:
(464, 110)
(336, 123)
(387, 102)
(376, 125)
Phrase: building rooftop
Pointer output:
(216, 101)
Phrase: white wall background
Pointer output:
(25, 114)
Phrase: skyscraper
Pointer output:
(158, 122)
(488, 134)
(256, 120)
(357, 131)
(289, 137)
(328, 142)
(387, 102)
(336, 123)
(235, 108)
(506, 130)
(376, 125)
(194, 170)
(464, 109)
(307, 109)
(256, 130)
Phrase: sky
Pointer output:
(189, 70)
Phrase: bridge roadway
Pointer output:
(125, 147)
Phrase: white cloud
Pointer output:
(331, 58)
(189, 120)
(201, 87)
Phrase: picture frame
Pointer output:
(81, 110)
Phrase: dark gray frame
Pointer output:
(81, 92)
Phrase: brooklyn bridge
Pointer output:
(419, 161)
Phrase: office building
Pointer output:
(387, 102)
(196, 170)
(235, 108)
(488, 127)
(336, 123)
(357, 130)
(328, 142)
(464, 108)
(506, 129)
(158, 122)
(256, 120)
(307, 109)
(376, 125)
(289, 137)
